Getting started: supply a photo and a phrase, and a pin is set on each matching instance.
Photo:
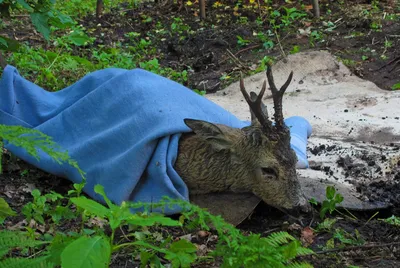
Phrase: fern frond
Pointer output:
(40, 262)
(32, 140)
(279, 238)
(14, 239)
(301, 251)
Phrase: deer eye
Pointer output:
(269, 171)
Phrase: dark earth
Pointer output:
(214, 52)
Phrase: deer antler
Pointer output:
(257, 107)
(277, 96)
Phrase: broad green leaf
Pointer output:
(3, 42)
(5, 210)
(8, 44)
(152, 219)
(87, 252)
(25, 5)
(330, 192)
(338, 198)
(40, 21)
(182, 253)
(91, 206)
(60, 20)
(78, 39)
(57, 246)
(99, 189)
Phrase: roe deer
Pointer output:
(256, 159)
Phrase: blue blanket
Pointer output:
(122, 126)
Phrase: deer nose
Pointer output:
(300, 209)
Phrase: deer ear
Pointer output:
(210, 133)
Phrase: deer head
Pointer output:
(256, 159)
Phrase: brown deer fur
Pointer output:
(256, 159)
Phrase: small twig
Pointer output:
(279, 43)
(373, 216)
(235, 59)
(241, 51)
(356, 247)
(387, 64)
(247, 48)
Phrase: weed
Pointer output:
(295, 49)
(200, 92)
(396, 86)
(393, 220)
(241, 41)
(347, 238)
(326, 225)
(315, 36)
(332, 199)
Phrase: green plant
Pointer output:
(31, 140)
(48, 205)
(94, 247)
(200, 92)
(241, 41)
(5, 211)
(42, 15)
(265, 39)
(396, 86)
(179, 27)
(331, 201)
(326, 225)
(295, 49)
(315, 37)
(393, 220)
(348, 239)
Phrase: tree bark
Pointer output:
(202, 9)
(99, 8)
(316, 8)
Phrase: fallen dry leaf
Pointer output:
(307, 236)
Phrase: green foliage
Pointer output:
(14, 239)
(34, 141)
(48, 205)
(42, 15)
(241, 41)
(58, 70)
(393, 220)
(94, 247)
(200, 92)
(346, 238)
(396, 86)
(326, 225)
(87, 252)
(5, 210)
(332, 200)
(40, 262)
(180, 28)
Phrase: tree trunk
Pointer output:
(99, 8)
(316, 8)
(202, 9)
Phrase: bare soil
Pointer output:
(214, 52)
